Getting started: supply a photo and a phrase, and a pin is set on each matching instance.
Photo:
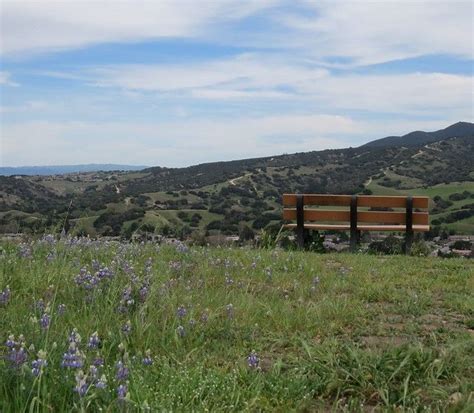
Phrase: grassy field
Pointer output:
(204, 329)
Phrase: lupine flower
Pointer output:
(182, 247)
(61, 309)
(94, 341)
(98, 362)
(81, 386)
(127, 327)
(40, 305)
(24, 251)
(44, 321)
(253, 360)
(73, 358)
(147, 360)
(101, 383)
(121, 373)
(10, 343)
(181, 312)
(143, 292)
(229, 281)
(74, 337)
(17, 356)
(38, 364)
(122, 391)
(181, 331)
(192, 322)
(93, 372)
(5, 296)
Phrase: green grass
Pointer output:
(393, 333)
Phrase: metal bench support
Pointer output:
(300, 236)
(354, 232)
(409, 225)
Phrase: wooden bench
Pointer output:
(358, 214)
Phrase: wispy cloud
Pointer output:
(171, 144)
(5, 79)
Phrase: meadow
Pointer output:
(108, 326)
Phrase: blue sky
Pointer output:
(174, 83)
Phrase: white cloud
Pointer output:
(178, 144)
(5, 79)
(42, 25)
(251, 76)
(364, 32)
(374, 32)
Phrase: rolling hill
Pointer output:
(229, 197)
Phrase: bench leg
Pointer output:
(408, 242)
(300, 236)
(354, 241)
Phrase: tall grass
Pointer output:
(330, 332)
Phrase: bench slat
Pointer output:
(362, 200)
(346, 227)
(381, 217)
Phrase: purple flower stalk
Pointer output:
(94, 341)
(181, 312)
(253, 360)
(45, 321)
(38, 364)
(5, 296)
(73, 358)
(101, 383)
(127, 327)
(147, 360)
(17, 356)
(122, 371)
(181, 331)
(81, 386)
(122, 391)
(61, 309)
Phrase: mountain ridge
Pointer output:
(458, 129)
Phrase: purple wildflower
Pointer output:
(38, 364)
(94, 341)
(17, 356)
(122, 391)
(5, 296)
(253, 360)
(127, 327)
(122, 371)
(147, 360)
(73, 358)
(181, 331)
(61, 309)
(81, 386)
(24, 251)
(45, 321)
(181, 312)
(101, 383)
(98, 362)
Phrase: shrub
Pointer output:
(390, 245)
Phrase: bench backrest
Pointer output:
(354, 202)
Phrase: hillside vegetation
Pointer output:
(231, 197)
(89, 325)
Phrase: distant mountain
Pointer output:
(66, 169)
(459, 129)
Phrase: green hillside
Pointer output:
(231, 197)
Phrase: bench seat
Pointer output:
(347, 227)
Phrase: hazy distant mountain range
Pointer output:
(67, 169)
